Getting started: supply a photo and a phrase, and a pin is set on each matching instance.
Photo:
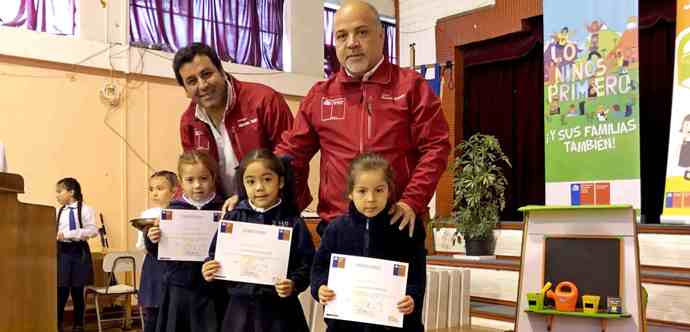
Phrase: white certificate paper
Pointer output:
(186, 234)
(252, 253)
(367, 290)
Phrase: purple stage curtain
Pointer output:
(53, 16)
(330, 59)
(247, 32)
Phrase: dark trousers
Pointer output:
(77, 300)
(150, 319)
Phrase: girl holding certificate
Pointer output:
(365, 230)
(189, 303)
(266, 197)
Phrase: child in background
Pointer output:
(76, 223)
(266, 193)
(162, 187)
(365, 230)
(189, 303)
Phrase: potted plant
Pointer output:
(479, 186)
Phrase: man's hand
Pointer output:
(403, 212)
(230, 203)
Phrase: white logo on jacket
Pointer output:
(332, 109)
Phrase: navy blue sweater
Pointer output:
(350, 235)
(178, 273)
(301, 248)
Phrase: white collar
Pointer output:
(196, 204)
(72, 205)
(368, 74)
(201, 114)
(264, 210)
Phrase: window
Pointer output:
(58, 17)
(330, 60)
(242, 31)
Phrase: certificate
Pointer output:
(252, 253)
(367, 290)
(186, 234)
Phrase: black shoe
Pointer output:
(78, 328)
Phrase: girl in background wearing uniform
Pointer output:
(266, 193)
(365, 230)
(188, 303)
(75, 224)
(162, 187)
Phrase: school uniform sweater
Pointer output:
(357, 235)
(258, 308)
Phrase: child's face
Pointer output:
(63, 195)
(160, 191)
(196, 181)
(370, 192)
(262, 185)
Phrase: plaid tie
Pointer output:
(72, 220)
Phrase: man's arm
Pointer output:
(430, 135)
(300, 144)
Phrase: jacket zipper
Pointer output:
(366, 239)
(370, 119)
(361, 120)
(237, 143)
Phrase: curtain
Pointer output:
(247, 32)
(331, 64)
(53, 16)
(504, 97)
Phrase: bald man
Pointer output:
(371, 105)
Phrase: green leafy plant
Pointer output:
(479, 186)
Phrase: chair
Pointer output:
(117, 262)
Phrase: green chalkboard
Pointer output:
(592, 264)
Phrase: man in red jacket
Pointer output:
(370, 105)
(226, 117)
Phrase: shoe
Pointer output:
(78, 328)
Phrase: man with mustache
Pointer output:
(370, 105)
(227, 117)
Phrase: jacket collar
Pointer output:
(358, 217)
(274, 213)
(382, 74)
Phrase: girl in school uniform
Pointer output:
(366, 230)
(266, 193)
(188, 303)
(162, 187)
(75, 224)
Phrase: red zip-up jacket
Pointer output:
(394, 113)
(256, 118)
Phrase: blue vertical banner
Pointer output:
(591, 102)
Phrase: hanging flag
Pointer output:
(677, 192)
(591, 109)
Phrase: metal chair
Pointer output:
(117, 262)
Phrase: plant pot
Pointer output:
(480, 247)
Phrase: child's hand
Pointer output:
(154, 234)
(285, 287)
(326, 294)
(406, 305)
(209, 270)
(60, 236)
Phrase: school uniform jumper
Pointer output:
(258, 308)
(355, 234)
(151, 278)
(188, 302)
(76, 221)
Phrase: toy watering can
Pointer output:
(565, 296)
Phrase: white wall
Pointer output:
(102, 43)
(418, 25)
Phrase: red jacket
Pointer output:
(256, 119)
(394, 113)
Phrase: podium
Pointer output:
(28, 261)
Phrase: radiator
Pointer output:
(446, 303)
